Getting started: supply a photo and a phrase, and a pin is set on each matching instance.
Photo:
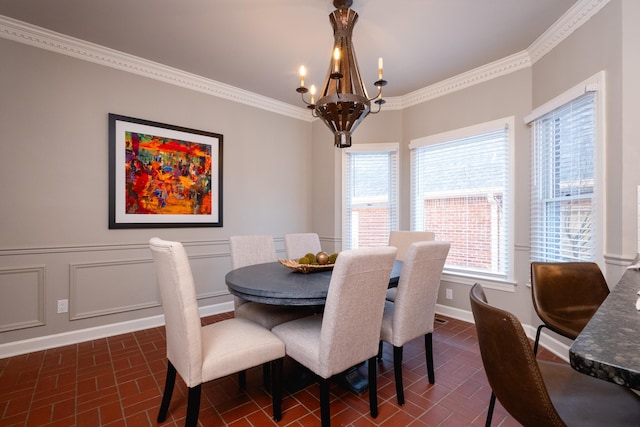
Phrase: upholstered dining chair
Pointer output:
(348, 331)
(257, 249)
(412, 313)
(541, 393)
(297, 245)
(402, 240)
(566, 295)
(204, 353)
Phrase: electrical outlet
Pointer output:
(63, 306)
(449, 293)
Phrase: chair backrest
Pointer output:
(353, 310)
(251, 249)
(180, 306)
(415, 301)
(298, 245)
(567, 294)
(510, 365)
(403, 239)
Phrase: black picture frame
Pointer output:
(163, 176)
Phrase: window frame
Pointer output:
(495, 280)
(391, 148)
(595, 84)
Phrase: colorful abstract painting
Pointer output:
(166, 176)
(163, 176)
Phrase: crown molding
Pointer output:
(577, 15)
(580, 13)
(39, 37)
(22, 32)
(481, 74)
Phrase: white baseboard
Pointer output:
(454, 313)
(74, 337)
(553, 345)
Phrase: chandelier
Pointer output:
(343, 102)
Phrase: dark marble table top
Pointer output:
(609, 346)
(273, 283)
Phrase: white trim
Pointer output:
(372, 148)
(482, 74)
(547, 341)
(74, 337)
(466, 132)
(60, 43)
(573, 19)
(592, 84)
(389, 147)
(33, 35)
(597, 84)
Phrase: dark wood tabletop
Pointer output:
(609, 346)
(273, 283)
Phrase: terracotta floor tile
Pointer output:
(118, 381)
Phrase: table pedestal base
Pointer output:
(353, 381)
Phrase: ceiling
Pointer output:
(259, 45)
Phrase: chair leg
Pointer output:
(397, 370)
(373, 388)
(380, 350)
(266, 374)
(537, 341)
(428, 347)
(325, 414)
(168, 391)
(276, 388)
(242, 378)
(492, 404)
(193, 406)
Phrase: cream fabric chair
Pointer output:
(257, 249)
(200, 354)
(402, 240)
(298, 245)
(413, 312)
(349, 330)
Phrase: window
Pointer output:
(461, 190)
(564, 181)
(370, 194)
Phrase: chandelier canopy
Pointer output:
(343, 102)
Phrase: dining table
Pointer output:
(608, 347)
(274, 283)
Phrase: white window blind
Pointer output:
(461, 191)
(370, 195)
(563, 209)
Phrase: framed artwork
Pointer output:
(163, 176)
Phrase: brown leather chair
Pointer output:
(540, 393)
(566, 295)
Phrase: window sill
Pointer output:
(488, 283)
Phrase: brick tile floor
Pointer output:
(118, 381)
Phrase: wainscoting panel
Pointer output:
(102, 288)
(22, 297)
(208, 274)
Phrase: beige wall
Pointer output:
(54, 177)
(605, 42)
(280, 174)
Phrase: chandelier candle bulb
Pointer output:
(303, 72)
(336, 58)
(312, 91)
(379, 68)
